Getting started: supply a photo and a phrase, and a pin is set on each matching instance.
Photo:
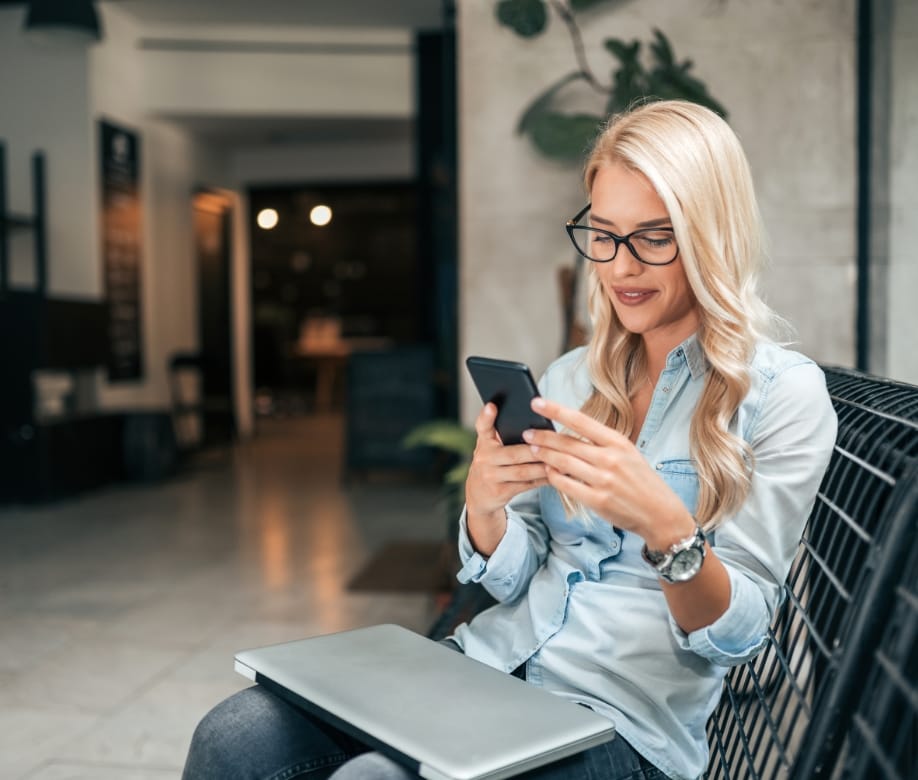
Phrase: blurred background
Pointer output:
(246, 246)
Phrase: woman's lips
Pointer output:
(631, 297)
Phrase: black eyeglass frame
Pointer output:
(571, 225)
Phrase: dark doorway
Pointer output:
(323, 290)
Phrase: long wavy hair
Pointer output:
(695, 163)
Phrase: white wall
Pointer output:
(169, 165)
(44, 105)
(54, 104)
(322, 162)
(902, 314)
(209, 69)
(786, 74)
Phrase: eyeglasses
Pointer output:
(651, 246)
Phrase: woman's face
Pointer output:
(653, 301)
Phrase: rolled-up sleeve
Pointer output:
(738, 634)
(506, 573)
(791, 436)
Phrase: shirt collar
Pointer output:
(691, 353)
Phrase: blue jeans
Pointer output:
(255, 735)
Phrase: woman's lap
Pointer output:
(258, 736)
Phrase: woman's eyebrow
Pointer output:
(649, 223)
(655, 222)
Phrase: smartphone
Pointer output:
(511, 388)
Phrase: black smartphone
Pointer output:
(511, 388)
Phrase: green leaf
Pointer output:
(540, 105)
(627, 53)
(663, 50)
(672, 79)
(527, 18)
(445, 435)
(629, 83)
(563, 136)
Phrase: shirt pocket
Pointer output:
(682, 478)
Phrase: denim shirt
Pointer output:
(586, 614)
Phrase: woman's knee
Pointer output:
(254, 734)
(220, 734)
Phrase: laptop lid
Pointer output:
(436, 711)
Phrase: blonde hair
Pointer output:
(696, 165)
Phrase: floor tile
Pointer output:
(90, 771)
(30, 737)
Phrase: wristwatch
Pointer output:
(680, 562)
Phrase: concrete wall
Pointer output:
(902, 313)
(786, 74)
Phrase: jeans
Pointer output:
(255, 735)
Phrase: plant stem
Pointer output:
(567, 16)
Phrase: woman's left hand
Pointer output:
(605, 472)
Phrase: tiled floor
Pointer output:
(120, 610)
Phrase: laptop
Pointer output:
(432, 709)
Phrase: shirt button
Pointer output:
(659, 467)
(665, 389)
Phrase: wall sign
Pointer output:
(121, 249)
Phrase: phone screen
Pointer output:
(511, 388)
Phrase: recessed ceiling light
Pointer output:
(267, 219)
(320, 215)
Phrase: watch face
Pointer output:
(686, 564)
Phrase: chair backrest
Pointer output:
(800, 708)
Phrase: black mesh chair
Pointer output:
(791, 711)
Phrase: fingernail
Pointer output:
(538, 403)
(527, 435)
(534, 448)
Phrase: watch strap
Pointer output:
(662, 561)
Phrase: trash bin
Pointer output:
(150, 448)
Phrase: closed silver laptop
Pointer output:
(436, 711)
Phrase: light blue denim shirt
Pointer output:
(586, 614)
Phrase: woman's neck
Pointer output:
(657, 347)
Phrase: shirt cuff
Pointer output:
(737, 635)
(503, 565)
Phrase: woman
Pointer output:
(640, 551)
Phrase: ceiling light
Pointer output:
(320, 215)
(63, 22)
(267, 219)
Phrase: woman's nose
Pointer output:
(625, 263)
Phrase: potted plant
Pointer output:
(640, 73)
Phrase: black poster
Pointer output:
(120, 156)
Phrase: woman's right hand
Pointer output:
(497, 473)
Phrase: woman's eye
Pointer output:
(602, 238)
(656, 240)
